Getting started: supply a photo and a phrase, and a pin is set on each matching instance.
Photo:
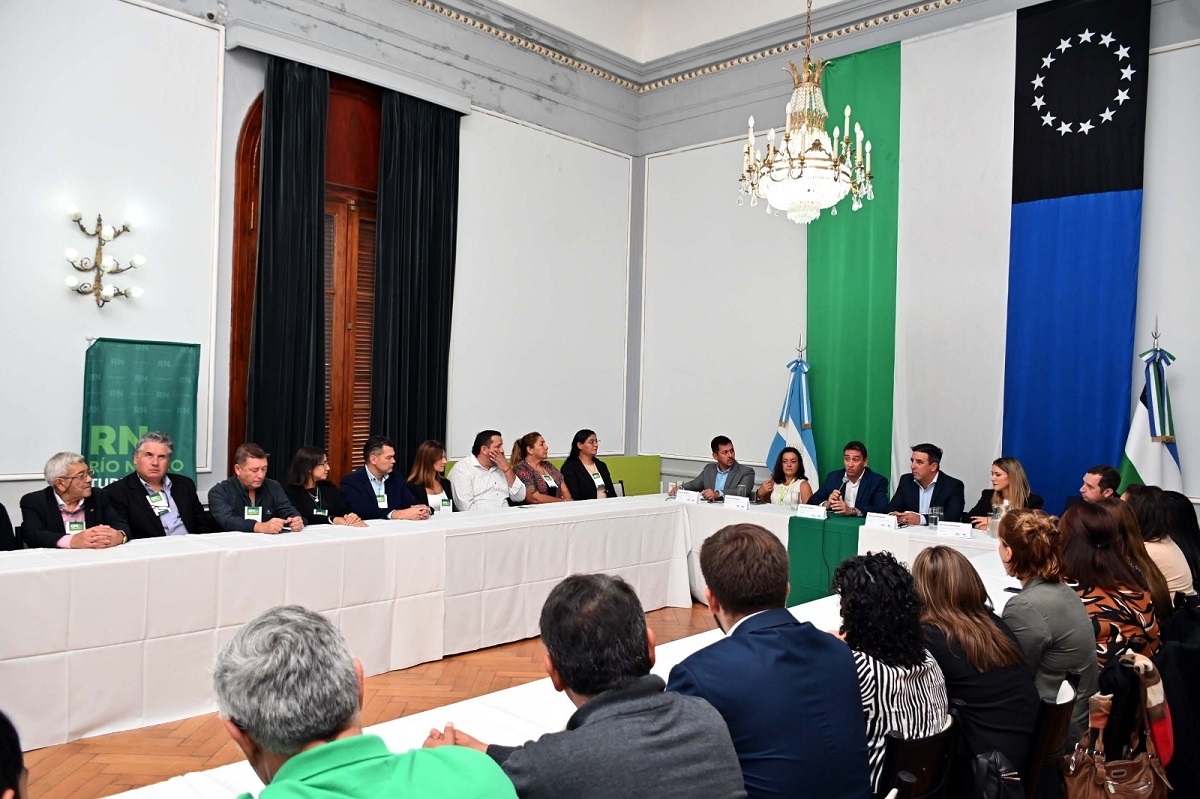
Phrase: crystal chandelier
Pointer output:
(807, 171)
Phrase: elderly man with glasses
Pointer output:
(69, 514)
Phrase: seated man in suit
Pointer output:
(854, 490)
(157, 502)
(787, 691)
(250, 501)
(370, 490)
(628, 738)
(70, 514)
(290, 695)
(927, 487)
(719, 478)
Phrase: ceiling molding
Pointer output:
(843, 21)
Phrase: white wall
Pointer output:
(114, 108)
(1168, 279)
(540, 288)
(724, 303)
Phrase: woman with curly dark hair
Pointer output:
(902, 688)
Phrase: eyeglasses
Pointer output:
(324, 463)
(592, 441)
(84, 473)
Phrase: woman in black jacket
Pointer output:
(586, 475)
(427, 481)
(308, 487)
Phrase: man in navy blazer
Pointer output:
(854, 490)
(788, 692)
(927, 487)
(373, 492)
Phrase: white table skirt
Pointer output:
(105, 640)
(509, 717)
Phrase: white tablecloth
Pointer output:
(103, 640)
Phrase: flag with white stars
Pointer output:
(1080, 83)
(1080, 97)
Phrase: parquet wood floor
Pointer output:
(121, 761)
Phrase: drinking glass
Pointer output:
(935, 515)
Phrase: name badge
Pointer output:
(805, 511)
(74, 527)
(253, 512)
(954, 529)
(381, 500)
(320, 511)
(158, 504)
(597, 479)
(737, 502)
(549, 481)
(884, 521)
(691, 497)
(445, 502)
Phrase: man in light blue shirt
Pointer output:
(156, 501)
(723, 475)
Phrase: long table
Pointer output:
(97, 641)
(510, 717)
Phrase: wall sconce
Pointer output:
(101, 264)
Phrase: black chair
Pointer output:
(1042, 773)
(929, 760)
(904, 786)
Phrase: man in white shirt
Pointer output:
(485, 481)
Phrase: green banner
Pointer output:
(131, 388)
(852, 273)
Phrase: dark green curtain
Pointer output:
(286, 388)
(414, 277)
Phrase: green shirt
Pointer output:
(362, 767)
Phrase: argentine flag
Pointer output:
(1151, 457)
(795, 424)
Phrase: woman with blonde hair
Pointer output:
(979, 657)
(427, 481)
(1008, 483)
(1051, 625)
(543, 481)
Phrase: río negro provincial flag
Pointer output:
(1078, 146)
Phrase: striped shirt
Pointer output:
(910, 701)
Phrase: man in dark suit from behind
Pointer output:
(788, 691)
(927, 487)
(628, 737)
(854, 490)
(157, 502)
(69, 514)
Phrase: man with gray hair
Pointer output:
(289, 694)
(70, 514)
(156, 501)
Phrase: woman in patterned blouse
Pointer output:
(902, 687)
(543, 481)
(1099, 566)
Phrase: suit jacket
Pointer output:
(872, 491)
(789, 695)
(228, 500)
(42, 524)
(707, 479)
(579, 480)
(331, 499)
(947, 493)
(8, 539)
(360, 495)
(128, 496)
(984, 506)
(631, 741)
(421, 494)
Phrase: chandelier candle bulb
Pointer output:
(140, 259)
(74, 213)
(107, 233)
(72, 283)
(71, 253)
(847, 120)
(868, 158)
